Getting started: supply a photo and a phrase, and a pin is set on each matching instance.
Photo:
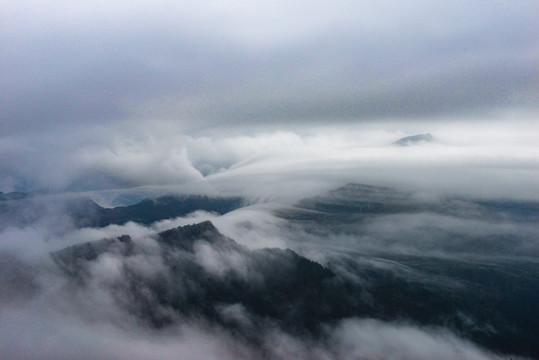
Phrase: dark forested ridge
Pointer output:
(468, 264)
(20, 209)
(492, 303)
(88, 213)
(270, 283)
(465, 265)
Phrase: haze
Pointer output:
(280, 104)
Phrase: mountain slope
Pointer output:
(20, 209)
(203, 272)
(87, 213)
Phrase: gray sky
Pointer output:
(271, 100)
(77, 76)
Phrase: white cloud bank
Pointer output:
(492, 158)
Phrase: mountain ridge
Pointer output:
(268, 282)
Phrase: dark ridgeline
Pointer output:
(490, 304)
(483, 285)
(274, 284)
(357, 203)
(485, 288)
(85, 212)
(21, 209)
(414, 140)
(15, 195)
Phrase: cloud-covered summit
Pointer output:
(100, 96)
(279, 104)
(366, 267)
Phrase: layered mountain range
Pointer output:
(19, 209)
(369, 252)
(204, 273)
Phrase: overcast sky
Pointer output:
(85, 83)
(271, 100)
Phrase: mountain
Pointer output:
(195, 271)
(205, 272)
(414, 139)
(87, 213)
(455, 263)
(467, 264)
(16, 195)
(353, 203)
(22, 210)
(358, 199)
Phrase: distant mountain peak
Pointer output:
(414, 139)
(185, 236)
(15, 195)
(148, 211)
(203, 229)
(269, 283)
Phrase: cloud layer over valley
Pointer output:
(280, 180)
(380, 274)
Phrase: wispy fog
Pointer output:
(52, 336)
(369, 171)
(48, 315)
(478, 158)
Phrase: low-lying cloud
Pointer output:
(469, 159)
(61, 322)
(103, 316)
(34, 334)
(273, 103)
